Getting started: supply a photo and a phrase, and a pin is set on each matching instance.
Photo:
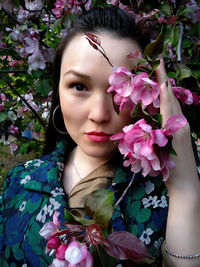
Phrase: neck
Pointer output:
(86, 164)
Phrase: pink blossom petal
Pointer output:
(160, 138)
(174, 123)
(48, 230)
(75, 252)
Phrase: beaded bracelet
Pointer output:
(193, 256)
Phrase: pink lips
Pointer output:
(98, 136)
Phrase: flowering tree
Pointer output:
(31, 30)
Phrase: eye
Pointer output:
(78, 87)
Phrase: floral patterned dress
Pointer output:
(33, 191)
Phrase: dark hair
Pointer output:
(101, 19)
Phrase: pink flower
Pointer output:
(60, 252)
(161, 20)
(13, 129)
(36, 61)
(3, 97)
(174, 123)
(121, 81)
(13, 147)
(78, 255)
(146, 90)
(184, 95)
(121, 84)
(34, 5)
(50, 228)
(195, 99)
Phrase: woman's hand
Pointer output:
(183, 231)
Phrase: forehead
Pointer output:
(79, 51)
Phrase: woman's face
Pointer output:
(87, 108)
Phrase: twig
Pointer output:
(125, 191)
(2, 130)
(24, 100)
(180, 42)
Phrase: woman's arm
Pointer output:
(183, 223)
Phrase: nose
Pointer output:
(100, 108)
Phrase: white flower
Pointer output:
(149, 187)
(22, 207)
(53, 206)
(60, 166)
(41, 217)
(27, 163)
(160, 203)
(57, 191)
(149, 201)
(38, 162)
(26, 179)
(145, 236)
(12, 116)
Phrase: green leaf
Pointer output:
(175, 36)
(172, 151)
(185, 73)
(83, 221)
(3, 116)
(184, 10)
(68, 216)
(24, 148)
(171, 74)
(43, 86)
(100, 205)
(155, 48)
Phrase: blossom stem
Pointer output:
(125, 191)
(180, 42)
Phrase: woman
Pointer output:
(81, 158)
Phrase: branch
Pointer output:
(11, 16)
(24, 100)
(180, 42)
(13, 71)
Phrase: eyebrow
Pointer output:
(79, 74)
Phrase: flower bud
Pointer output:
(53, 243)
(60, 252)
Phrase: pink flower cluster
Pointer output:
(130, 89)
(143, 146)
(69, 254)
(69, 6)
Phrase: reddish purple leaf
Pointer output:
(172, 20)
(74, 227)
(143, 16)
(93, 38)
(124, 245)
(92, 44)
(93, 235)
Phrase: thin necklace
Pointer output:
(76, 169)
